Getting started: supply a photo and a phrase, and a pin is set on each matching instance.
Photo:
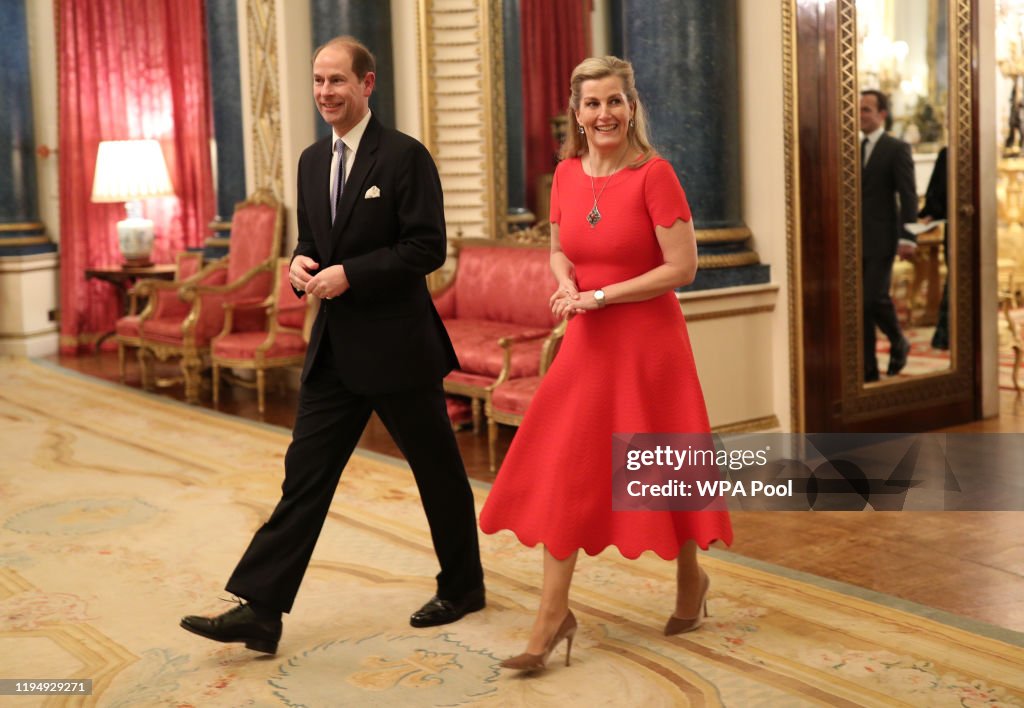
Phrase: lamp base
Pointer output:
(135, 239)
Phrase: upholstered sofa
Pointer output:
(496, 300)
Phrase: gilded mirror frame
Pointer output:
(860, 400)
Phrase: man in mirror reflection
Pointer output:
(888, 201)
(934, 209)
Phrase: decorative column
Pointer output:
(28, 258)
(21, 232)
(518, 215)
(370, 23)
(226, 97)
(684, 54)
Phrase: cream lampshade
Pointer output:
(129, 171)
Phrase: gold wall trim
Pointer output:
(21, 226)
(24, 241)
(749, 426)
(735, 312)
(736, 233)
(462, 79)
(791, 146)
(849, 201)
(267, 138)
(728, 260)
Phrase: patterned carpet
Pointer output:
(122, 511)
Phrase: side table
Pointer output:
(123, 278)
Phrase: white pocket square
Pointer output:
(372, 193)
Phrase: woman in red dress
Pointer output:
(622, 240)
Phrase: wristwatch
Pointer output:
(599, 297)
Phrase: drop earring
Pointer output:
(631, 123)
(579, 128)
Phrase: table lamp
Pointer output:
(129, 171)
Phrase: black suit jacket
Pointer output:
(888, 199)
(385, 334)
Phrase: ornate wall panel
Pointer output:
(464, 114)
(263, 77)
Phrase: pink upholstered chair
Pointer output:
(508, 398)
(245, 275)
(279, 340)
(127, 331)
(498, 291)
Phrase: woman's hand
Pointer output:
(566, 307)
(567, 293)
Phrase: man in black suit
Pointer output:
(888, 201)
(371, 227)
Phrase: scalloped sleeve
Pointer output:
(665, 198)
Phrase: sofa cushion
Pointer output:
(242, 345)
(514, 395)
(505, 284)
(165, 331)
(476, 345)
(461, 378)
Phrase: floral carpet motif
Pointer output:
(123, 511)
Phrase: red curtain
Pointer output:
(128, 69)
(555, 38)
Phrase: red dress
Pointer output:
(624, 368)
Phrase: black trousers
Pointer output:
(328, 426)
(879, 311)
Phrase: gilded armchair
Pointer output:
(245, 275)
(127, 329)
(278, 342)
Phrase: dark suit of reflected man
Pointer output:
(371, 227)
(888, 201)
(934, 209)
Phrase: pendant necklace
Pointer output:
(595, 214)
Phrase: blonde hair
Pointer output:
(595, 68)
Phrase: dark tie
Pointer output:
(863, 152)
(339, 182)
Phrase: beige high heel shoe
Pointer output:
(534, 662)
(681, 625)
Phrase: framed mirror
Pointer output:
(903, 81)
(917, 53)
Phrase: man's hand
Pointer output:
(328, 283)
(299, 272)
(906, 251)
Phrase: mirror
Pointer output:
(903, 84)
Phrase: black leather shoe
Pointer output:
(239, 624)
(439, 611)
(898, 356)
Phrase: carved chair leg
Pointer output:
(477, 417)
(190, 370)
(261, 392)
(1016, 368)
(492, 441)
(120, 361)
(143, 357)
(216, 384)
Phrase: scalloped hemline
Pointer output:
(563, 553)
